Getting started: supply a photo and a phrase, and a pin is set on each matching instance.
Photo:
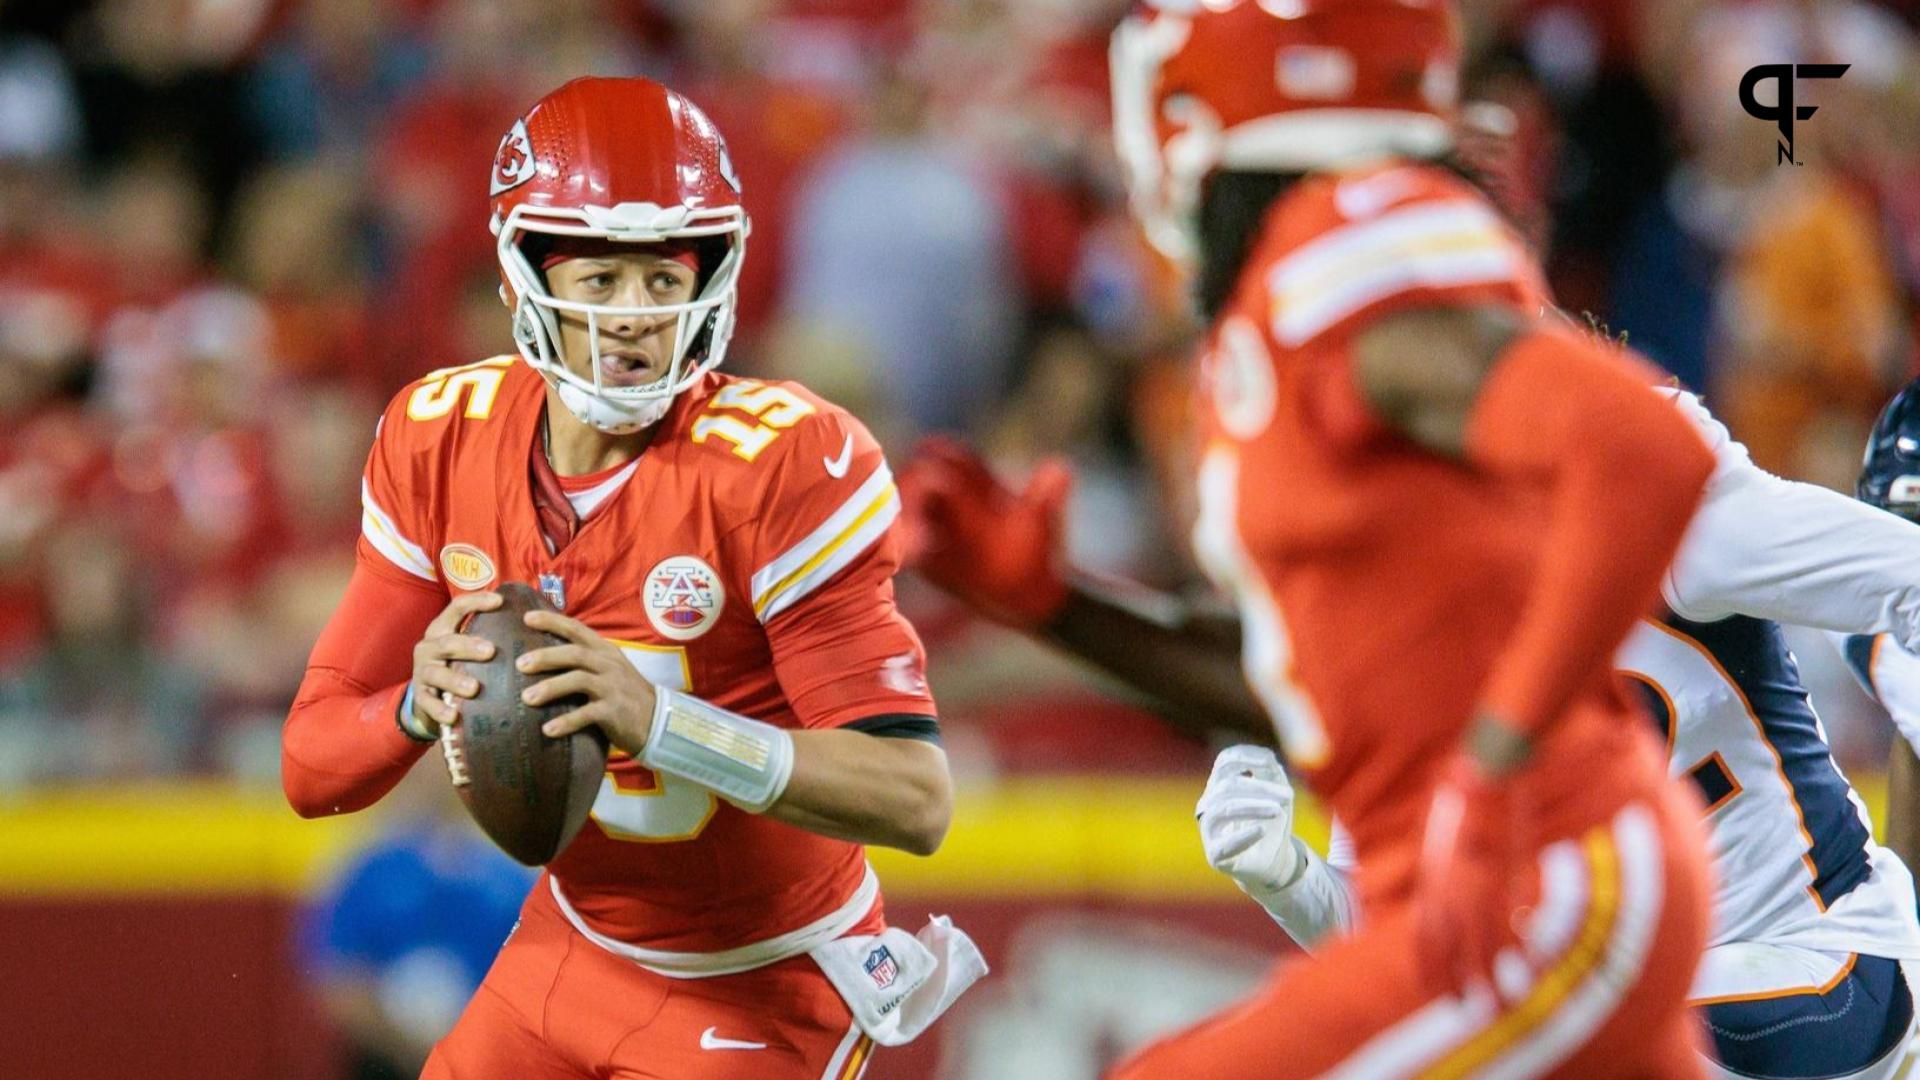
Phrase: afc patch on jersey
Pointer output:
(683, 597)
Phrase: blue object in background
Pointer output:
(415, 919)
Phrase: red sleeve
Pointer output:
(825, 551)
(846, 653)
(1626, 471)
(341, 749)
(397, 523)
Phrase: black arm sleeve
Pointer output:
(899, 726)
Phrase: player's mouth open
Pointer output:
(626, 368)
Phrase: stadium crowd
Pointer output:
(229, 230)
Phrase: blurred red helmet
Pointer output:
(622, 161)
(1273, 86)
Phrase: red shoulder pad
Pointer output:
(826, 498)
(398, 518)
(1346, 249)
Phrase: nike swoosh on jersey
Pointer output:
(711, 1041)
(837, 466)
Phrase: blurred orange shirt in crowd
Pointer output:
(1813, 319)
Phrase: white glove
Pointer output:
(1246, 826)
(1246, 820)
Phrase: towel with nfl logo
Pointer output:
(897, 984)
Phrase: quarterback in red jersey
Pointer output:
(721, 553)
(1439, 511)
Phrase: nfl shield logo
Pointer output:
(881, 967)
(554, 589)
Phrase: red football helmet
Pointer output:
(1274, 86)
(630, 161)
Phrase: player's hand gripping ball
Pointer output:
(528, 791)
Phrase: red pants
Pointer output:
(555, 1006)
(1621, 911)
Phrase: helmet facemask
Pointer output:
(703, 325)
(1164, 199)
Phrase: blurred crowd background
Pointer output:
(229, 229)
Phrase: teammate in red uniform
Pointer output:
(722, 550)
(1439, 512)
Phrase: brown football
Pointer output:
(530, 793)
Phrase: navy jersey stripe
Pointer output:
(1659, 707)
(1716, 784)
(1859, 654)
(1754, 653)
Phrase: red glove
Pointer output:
(1001, 552)
(1468, 900)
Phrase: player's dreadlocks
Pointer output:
(1599, 329)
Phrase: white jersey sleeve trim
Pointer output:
(379, 529)
(1892, 675)
(1792, 552)
(856, 526)
(1422, 246)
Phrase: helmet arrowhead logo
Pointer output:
(513, 163)
(726, 165)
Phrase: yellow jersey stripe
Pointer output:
(884, 500)
(385, 537)
(857, 1061)
(1586, 953)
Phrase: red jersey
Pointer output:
(1378, 581)
(748, 559)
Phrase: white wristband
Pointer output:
(1317, 903)
(740, 759)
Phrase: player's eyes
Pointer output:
(664, 282)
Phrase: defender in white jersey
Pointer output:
(1812, 919)
(1890, 480)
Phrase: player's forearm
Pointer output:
(1184, 660)
(1625, 472)
(1799, 553)
(341, 749)
(852, 786)
(1315, 906)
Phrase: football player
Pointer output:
(1809, 936)
(721, 553)
(1890, 480)
(1439, 513)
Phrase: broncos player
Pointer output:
(1890, 480)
